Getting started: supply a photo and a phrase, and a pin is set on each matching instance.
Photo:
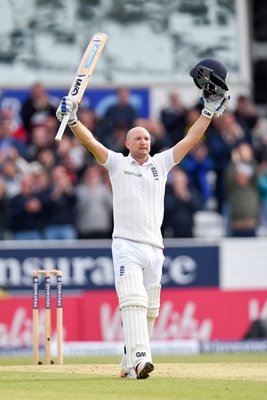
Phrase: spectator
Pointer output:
(4, 207)
(51, 125)
(41, 139)
(223, 135)
(36, 108)
(40, 177)
(173, 118)
(18, 130)
(11, 176)
(72, 155)
(8, 141)
(120, 115)
(197, 164)
(116, 141)
(47, 158)
(94, 206)
(25, 212)
(246, 115)
(262, 185)
(89, 118)
(59, 202)
(181, 203)
(191, 117)
(259, 139)
(242, 191)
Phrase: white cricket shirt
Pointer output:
(138, 195)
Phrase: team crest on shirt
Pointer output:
(155, 173)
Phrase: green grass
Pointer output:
(199, 358)
(72, 382)
(66, 387)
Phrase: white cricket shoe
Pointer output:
(143, 369)
(128, 375)
(125, 373)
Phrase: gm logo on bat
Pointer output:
(76, 87)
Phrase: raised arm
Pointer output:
(193, 136)
(84, 135)
(211, 109)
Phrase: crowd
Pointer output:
(51, 190)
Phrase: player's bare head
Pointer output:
(138, 142)
(137, 131)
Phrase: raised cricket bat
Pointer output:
(84, 73)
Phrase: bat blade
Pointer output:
(84, 73)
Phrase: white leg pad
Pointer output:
(133, 305)
(153, 294)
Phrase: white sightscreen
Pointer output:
(150, 41)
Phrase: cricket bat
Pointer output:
(83, 74)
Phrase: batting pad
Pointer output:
(133, 305)
(153, 294)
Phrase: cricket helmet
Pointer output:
(210, 76)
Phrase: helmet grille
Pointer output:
(205, 79)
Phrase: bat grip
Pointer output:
(62, 127)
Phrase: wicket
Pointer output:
(47, 274)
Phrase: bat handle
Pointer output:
(62, 127)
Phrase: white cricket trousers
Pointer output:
(130, 256)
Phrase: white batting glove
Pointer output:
(68, 106)
(215, 108)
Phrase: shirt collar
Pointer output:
(132, 160)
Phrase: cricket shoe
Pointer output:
(128, 375)
(143, 369)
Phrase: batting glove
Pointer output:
(215, 108)
(68, 106)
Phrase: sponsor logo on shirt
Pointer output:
(138, 174)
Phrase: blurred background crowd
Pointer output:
(51, 190)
